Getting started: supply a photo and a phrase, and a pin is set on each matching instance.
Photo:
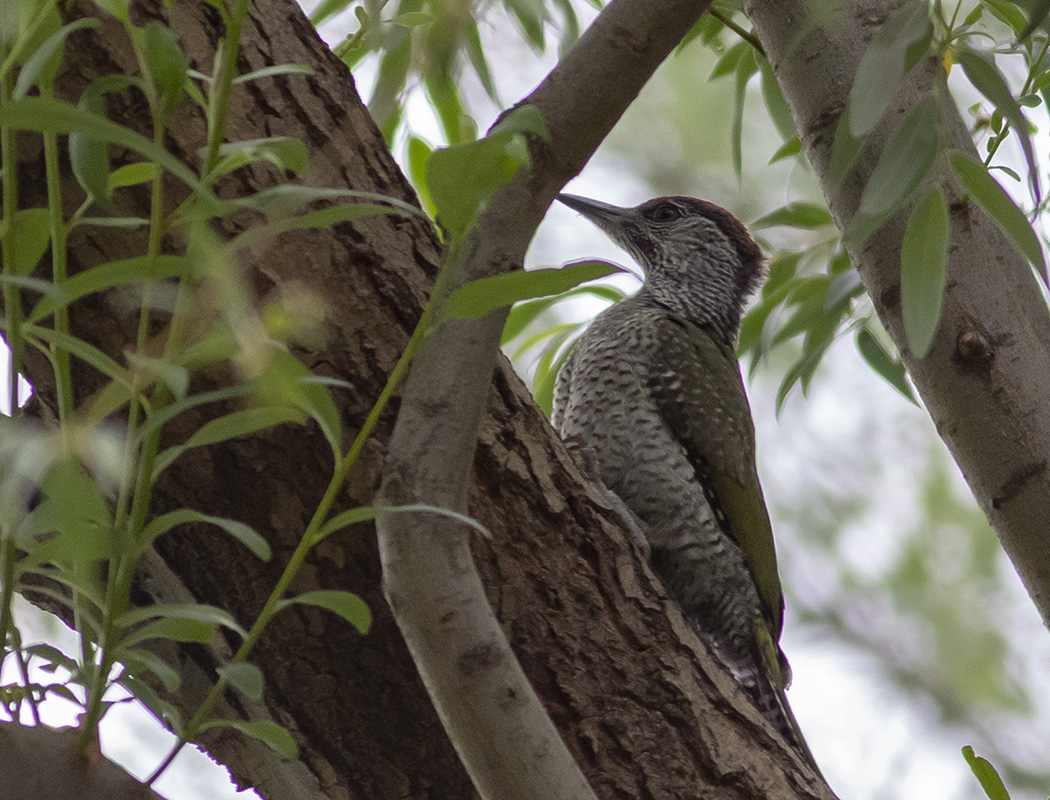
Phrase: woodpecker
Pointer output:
(653, 395)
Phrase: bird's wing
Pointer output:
(697, 385)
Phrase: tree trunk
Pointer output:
(984, 379)
(641, 705)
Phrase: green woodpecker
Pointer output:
(653, 393)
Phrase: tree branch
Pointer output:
(984, 379)
(500, 729)
(39, 763)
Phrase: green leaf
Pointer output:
(158, 418)
(52, 656)
(346, 604)
(985, 76)
(476, 53)
(284, 152)
(845, 284)
(418, 153)
(64, 692)
(727, 64)
(1007, 170)
(326, 9)
(44, 287)
(525, 312)
(286, 381)
(706, 29)
(413, 19)
(530, 15)
(161, 709)
(112, 222)
(177, 377)
(924, 262)
(894, 49)
(776, 105)
(801, 372)
(73, 499)
(877, 357)
(461, 180)
(547, 373)
(270, 72)
(88, 589)
(986, 774)
(266, 731)
(238, 530)
(746, 67)
(478, 298)
(245, 678)
(570, 28)
(974, 16)
(26, 28)
(324, 380)
(41, 67)
(795, 215)
(87, 353)
(323, 218)
(176, 629)
(991, 197)
(845, 150)
(367, 513)
(118, 8)
(1008, 13)
(238, 423)
(89, 155)
(30, 235)
(166, 64)
(108, 275)
(904, 163)
(792, 147)
(139, 661)
(523, 119)
(286, 199)
(46, 114)
(459, 128)
(210, 615)
(547, 333)
(808, 297)
(385, 105)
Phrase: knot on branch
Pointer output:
(973, 348)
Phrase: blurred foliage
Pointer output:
(431, 42)
(75, 495)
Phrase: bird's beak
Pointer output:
(607, 217)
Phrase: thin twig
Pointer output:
(746, 35)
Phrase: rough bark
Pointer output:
(639, 702)
(984, 379)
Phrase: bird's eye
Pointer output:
(665, 212)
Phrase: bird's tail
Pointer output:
(768, 689)
(773, 704)
(763, 673)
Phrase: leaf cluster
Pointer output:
(74, 498)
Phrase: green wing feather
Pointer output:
(706, 409)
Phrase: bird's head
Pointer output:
(698, 259)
